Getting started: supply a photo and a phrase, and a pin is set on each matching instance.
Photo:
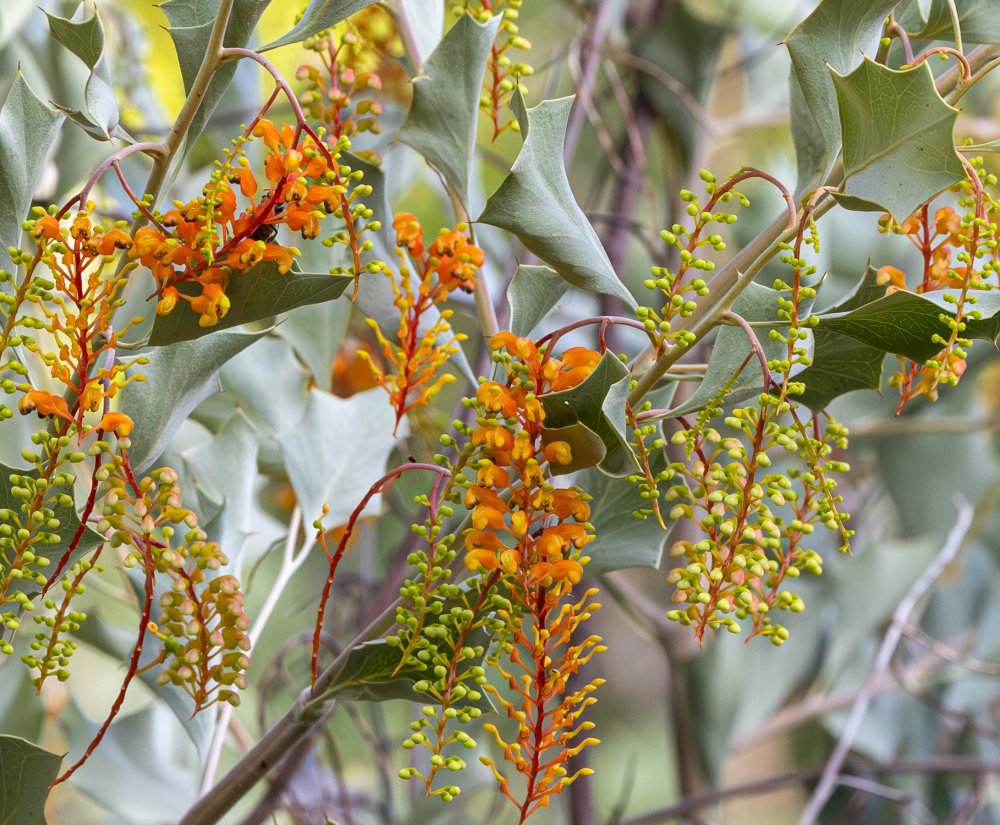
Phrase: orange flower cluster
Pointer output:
(202, 242)
(80, 258)
(449, 263)
(937, 240)
(533, 535)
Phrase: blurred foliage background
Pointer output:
(726, 733)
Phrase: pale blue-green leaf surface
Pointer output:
(319, 15)
(27, 129)
(442, 120)
(533, 291)
(178, 378)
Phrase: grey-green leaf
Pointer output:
(731, 354)
(836, 34)
(442, 120)
(255, 295)
(319, 15)
(978, 20)
(27, 129)
(191, 25)
(905, 323)
(535, 203)
(178, 378)
(337, 451)
(897, 131)
(621, 540)
(598, 403)
(85, 38)
(26, 771)
(533, 291)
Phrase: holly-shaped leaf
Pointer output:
(191, 24)
(26, 771)
(27, 129)
(254, 295)
(535, 203)
(835, 35)
(189, 369)
(85, 38)
(731, 369)
(442, 120)
(533, 291)
(369, 674)
(597, 403)
(905, 323)
(319, 15)
(898, 146)
(842, 364)
(338, 450)
(622, 541)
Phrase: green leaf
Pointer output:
(257, 294)
(586, 446)
(533, 291)
(155, 769)
(905, 323)
(978, 20)
(842, 364)
(598, 403)
(731, 349)
(442, 120)
(85, 38)
(368, 675)
(836, 34)
(27, 129)
(898, 146)
(26, 771)
(319, 15)
(622, 540)
(191, 24)
(337, 451)
(189, 369)
(535, 203)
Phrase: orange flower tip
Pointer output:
(44, 403)
(118, 423)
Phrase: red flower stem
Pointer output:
(378, 487)
(133, 667)
(603, 320)
(963, 62)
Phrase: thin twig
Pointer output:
(901, 618)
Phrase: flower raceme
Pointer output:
(449, 263)
(201, 243)
(531, 536)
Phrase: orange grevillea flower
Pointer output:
(419, 352)
(212, 305)
(118, 423)
(44, 403)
